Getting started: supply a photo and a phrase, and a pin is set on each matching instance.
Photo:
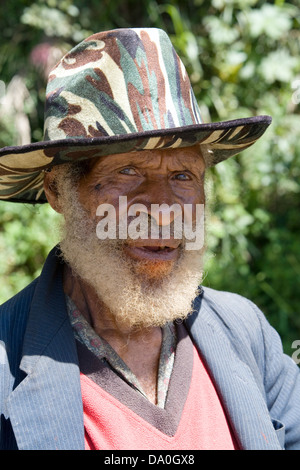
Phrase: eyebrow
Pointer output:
(173, 163)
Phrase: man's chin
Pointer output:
(153, 271)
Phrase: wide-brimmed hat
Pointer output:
(119, 91)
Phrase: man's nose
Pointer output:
(157, 200)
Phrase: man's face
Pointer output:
(145, 178)
(142, 281)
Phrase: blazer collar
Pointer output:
(234, 381)
(53, 378)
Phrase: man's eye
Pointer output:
(128, 171)
(182, 177)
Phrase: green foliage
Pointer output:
(243, 59)
(26, 234)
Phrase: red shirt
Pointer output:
(202, 425)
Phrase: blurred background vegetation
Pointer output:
(243, 57)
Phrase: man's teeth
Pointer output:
(156, 248)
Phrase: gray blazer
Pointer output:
(40, 396)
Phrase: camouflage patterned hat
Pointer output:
(119, 91)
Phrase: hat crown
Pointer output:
(119, 82)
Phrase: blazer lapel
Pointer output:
(234, 381)
(46, 407)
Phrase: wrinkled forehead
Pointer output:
(189, 158)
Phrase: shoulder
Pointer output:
(227, 299)
(13, 321)
(14, 313)
(245, 326)
(240, 321)
(233, 309)
(19, 300)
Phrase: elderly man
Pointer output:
(116, 345)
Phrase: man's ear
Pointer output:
(51, 191)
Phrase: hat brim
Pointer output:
(21, 168)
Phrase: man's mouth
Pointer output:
(152, 251)
(157, 248)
